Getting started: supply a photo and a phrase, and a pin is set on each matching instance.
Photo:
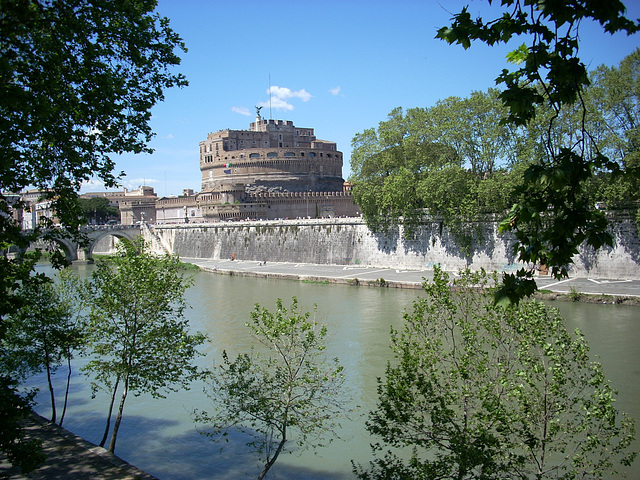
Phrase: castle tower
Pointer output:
(272, 170)
(272, 156)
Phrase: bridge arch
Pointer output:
(73, 251)
(66, 246)
(96, 234)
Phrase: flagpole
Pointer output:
(270, 94)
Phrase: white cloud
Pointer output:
(335, 91)
(92, 185)
(280, 95)
(276, 103)
(283, 93)
(241, 111)
(135, 183)
(169, 137)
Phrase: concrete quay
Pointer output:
(70, 457)
(399, 278)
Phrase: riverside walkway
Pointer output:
(71, 457)
(355, 274)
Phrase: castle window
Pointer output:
(311, 154)
(254, 155)
(289, 154)
(302, 154)
(272, 154)
(328, 155)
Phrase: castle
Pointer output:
(273, 170)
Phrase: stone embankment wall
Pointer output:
(348, 241)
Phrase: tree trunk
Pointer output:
(53, 397)
(113, 400)
(66, 392)
(273, 459)
(116, 426)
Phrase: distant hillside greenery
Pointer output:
(459, 160)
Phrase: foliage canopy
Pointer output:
(551, 218)
(294, 388)
(477, 390)
(78, 79)
(137, 334)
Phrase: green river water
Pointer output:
(159, 437)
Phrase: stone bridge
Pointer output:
(95, 233)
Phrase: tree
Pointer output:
(71, 292)
(472, 127)
(137, 334)
(477, 390)
(613, 99)
(551, 219)
(294, 388)
(434, 161)
(97, 210)
(388, 164)
(41, 336)
(77, 82)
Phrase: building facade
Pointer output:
(273, 170)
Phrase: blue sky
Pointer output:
(340, 67)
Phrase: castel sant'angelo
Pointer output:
(273, 170)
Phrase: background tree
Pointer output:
(434, 161)
(551, 218)
(41, 336)
(137, 334)
(613, 100)
(476, 390)
(77, 82)
(294, 388)
(97, 210)
(473, 127)
(71, 292)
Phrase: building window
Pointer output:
(289, 154)
(254, 155)
(272, 154)
(311, 154)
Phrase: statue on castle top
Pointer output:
(258, 111)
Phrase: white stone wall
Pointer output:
(349, 241)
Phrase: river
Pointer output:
(159, 437)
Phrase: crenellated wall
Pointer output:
(349, 241)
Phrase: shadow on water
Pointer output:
(149, 444)
(167, 444)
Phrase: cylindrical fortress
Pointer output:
(272, 156)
